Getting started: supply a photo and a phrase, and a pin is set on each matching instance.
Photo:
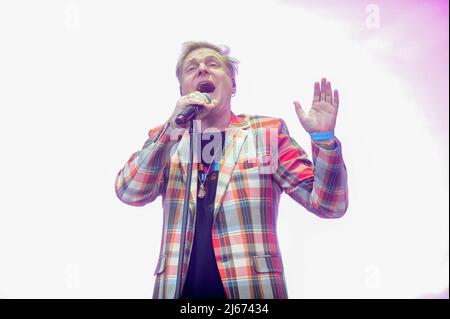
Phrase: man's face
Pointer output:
(207, 65)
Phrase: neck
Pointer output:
(217, 121)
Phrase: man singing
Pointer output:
(242, 164)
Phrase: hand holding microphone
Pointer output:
(192, 104)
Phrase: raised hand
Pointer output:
(322, 116)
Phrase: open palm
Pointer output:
(323, 113)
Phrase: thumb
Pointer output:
(300, 113)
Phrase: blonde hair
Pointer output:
(223, 50)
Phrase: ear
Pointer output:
(234, 86)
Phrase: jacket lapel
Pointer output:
(235, 136)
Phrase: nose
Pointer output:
(202, 68)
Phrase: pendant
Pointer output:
(202, 191)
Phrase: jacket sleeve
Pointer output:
(142, 179)
(320, 186)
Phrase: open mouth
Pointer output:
(206, 87)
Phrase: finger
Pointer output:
(328, 93)
(300, 113)
(202, 96)
(190, 95)
(316, 97)
(336, 99)
(195, 101)
(323, 89)
(195, 94)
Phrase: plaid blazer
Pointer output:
(260, 161)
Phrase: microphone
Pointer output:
(190, 111)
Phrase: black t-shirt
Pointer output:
(203, 278)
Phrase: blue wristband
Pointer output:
(322, 136)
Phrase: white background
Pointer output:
(82, 83)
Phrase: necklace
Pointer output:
(202, 190)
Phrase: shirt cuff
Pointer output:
(327, 146)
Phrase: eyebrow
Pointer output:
(206, 58)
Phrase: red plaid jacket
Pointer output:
(260, 161)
